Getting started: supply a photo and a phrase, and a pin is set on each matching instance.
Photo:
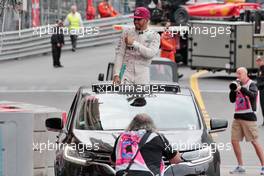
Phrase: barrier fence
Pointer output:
(35, 41)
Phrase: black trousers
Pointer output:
(56, 54)
(261, 97)
(74, 41)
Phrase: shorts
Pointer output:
(244, 128)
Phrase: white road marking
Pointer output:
(215, 91)
(39, 91)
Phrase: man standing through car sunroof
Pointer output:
(136, 47)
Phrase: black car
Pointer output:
(161, 70)
(98, 115)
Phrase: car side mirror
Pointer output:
(54, 124)
(218, 125)
(101, 77)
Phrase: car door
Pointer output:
(110, 72)
(65, 135)
(171, 67)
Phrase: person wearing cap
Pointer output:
(135, 50)
(260, 82)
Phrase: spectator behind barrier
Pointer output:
(106, 10)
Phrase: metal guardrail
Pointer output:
(35, 41)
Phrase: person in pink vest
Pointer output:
(244, 124)
(139, 150)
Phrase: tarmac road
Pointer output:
(34, 80)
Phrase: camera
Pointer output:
(233, 85)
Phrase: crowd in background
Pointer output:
(51, 10)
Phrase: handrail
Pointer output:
(24, 43)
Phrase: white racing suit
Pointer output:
(136, 57)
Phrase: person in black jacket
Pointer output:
(57, 42)
(260, 82)
(244, 124)
(151, 150)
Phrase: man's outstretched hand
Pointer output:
(116, 80)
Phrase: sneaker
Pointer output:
(262, 171)
(238, 170)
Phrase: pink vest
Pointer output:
(243, 104)
(127, 147)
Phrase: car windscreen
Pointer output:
(167, 111)
(161, 72)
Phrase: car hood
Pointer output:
(181, 140)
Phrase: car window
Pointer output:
(167, 112)
(158, 72)
(161, 72)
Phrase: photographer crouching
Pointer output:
(243, 92)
